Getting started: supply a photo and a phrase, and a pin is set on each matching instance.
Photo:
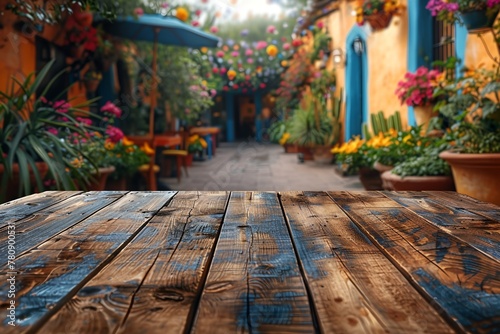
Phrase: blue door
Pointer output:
(356, 83)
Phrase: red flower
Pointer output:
(114, 134)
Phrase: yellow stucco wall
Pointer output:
(387, 56)
(476, 53)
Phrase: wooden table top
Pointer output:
(204, 130)
(263, 262)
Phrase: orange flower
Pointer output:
(147, 149)
(182, 14)
(272, 50)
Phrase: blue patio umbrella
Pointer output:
(159, 29)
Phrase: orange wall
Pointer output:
(17, 52)
(476, 54)
(387, 56)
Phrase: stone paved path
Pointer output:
(254, 166)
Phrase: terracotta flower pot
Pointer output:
(322, 154)
(381, 168)
(307, 153)
(91, 85)
(370, 178)
(100, 179)
(189, 159)
(417, 183)
(476, 175)
(423, 115)
(291, 148)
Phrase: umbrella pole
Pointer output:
(151, 172)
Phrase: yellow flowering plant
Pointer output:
(353, 155)
(126, 157)
(196, 144)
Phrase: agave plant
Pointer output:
(28, 127)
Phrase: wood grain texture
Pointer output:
(470, 226)
(44, 224)
(52, 275)
(169, 293)
(112, 298)
(28, 205)
(488, 210)
(460, 280)
(355, 288)
(363, 199)
(254, 283)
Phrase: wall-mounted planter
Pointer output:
(379, 21)
(478, 21)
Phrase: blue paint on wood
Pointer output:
(258, 117)
(475, 309)
(443, 244)
(492, 247)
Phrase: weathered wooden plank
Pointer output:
(363, 199)
(460, 280)
(144, 288)
(28, 205)
(355, 288)
(254, 283)
(43, 225)
(476, 229)
(488, 210)
(49, 277)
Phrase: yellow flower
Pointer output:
(129, 150)
(127, 142)
(182, 14)
(231, 74)
(204, 49)
(203, 143)
(147, 149)
(77, 163)
(192, 139)
(272, 50)
(406, 138)
(284, 138)
(109, 145)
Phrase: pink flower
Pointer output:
(197, 12)
(139, 11)
(250, 60)
(320, 25)
(84, 121)
(261, 45)
(195, 23)
(111, 110)
(235, 54)
(53, 131)
(164, 5)
(114, 134)
(248, 52)
(286, 46)
(220, 54)
(214, 29)
(213, 92)
(43, 99)
(62, 106)
(271, 29)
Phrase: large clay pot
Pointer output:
(291, 148)
(306, 153)
(476, 175)
(417, 183)
(381, 168)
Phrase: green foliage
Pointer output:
(381, 124)
(426, 164)
(26, 138)
(471, 103)
(277, 130)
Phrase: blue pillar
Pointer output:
(258, 116)
(419, 40)
(229, 117)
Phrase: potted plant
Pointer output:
(195, 146)
(91, 80)
(30, 145)
(477, 15)
(425, 171)
(417, 90)
(474, 108)
(80, 37)
(378, 13)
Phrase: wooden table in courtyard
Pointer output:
(256, 262)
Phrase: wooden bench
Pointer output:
(267, 262)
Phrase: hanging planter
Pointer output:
(478, 21)
(379, 21)
(91, 85)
